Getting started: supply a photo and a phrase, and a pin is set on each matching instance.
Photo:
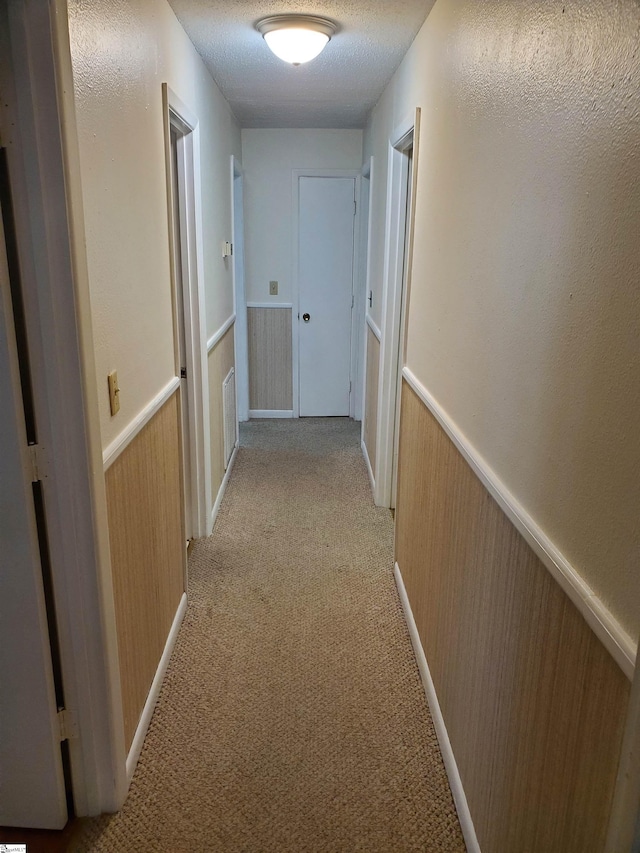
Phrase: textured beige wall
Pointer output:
(376, 143)
(268, 159)
(122, 52)
(525, 307)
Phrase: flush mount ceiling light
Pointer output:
(296, 38)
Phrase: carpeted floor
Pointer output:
(292, 718)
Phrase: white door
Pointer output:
(326, 235)
(32, 789)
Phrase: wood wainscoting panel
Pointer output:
(270, 354)
(533, 703)
(220, 361)
(146, 534)
(371, 397)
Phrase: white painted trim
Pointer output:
(372, 185)
(360, 289)
(295, 292)
(365, 453)
(367, 290)
(188, 118)
(326, 173)
(154, 692)
(127, 435)
(222, 331)
(605, 626)
(397, 218)
(269, 305)
(235, 172)
(401, 135)
(200, 383)
(371, 324)
(448, 757)
(358, 305)
(222, 489)
(240, 338)
(364, 382)
(271, 413)
(178, 114)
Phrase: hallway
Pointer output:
(292, 717)
(154, 294)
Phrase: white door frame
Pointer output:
(404, 316)
(360, 289)
(179, 117)
(179, 335)
(45, 166)
(398, 218)
(239, 294)
(295, 273)
(365, 274)
(368, 322)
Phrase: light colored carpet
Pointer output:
(292, 717)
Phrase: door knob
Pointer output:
(306, 317)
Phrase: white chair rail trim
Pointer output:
(605, 626)
(222, 331)
(371, 324)
(111, 453)
(270, 305)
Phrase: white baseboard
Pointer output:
(154, 692)
(365, 453)
(270, 413)
(459, 797)
(222, 489)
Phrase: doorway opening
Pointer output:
(403, 148)
(183, 180)
(408, 192)
(177, 213)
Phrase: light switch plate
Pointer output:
(114, 392)
(273, 288)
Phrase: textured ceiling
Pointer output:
(338, 89)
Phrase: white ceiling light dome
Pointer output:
(296, 38)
